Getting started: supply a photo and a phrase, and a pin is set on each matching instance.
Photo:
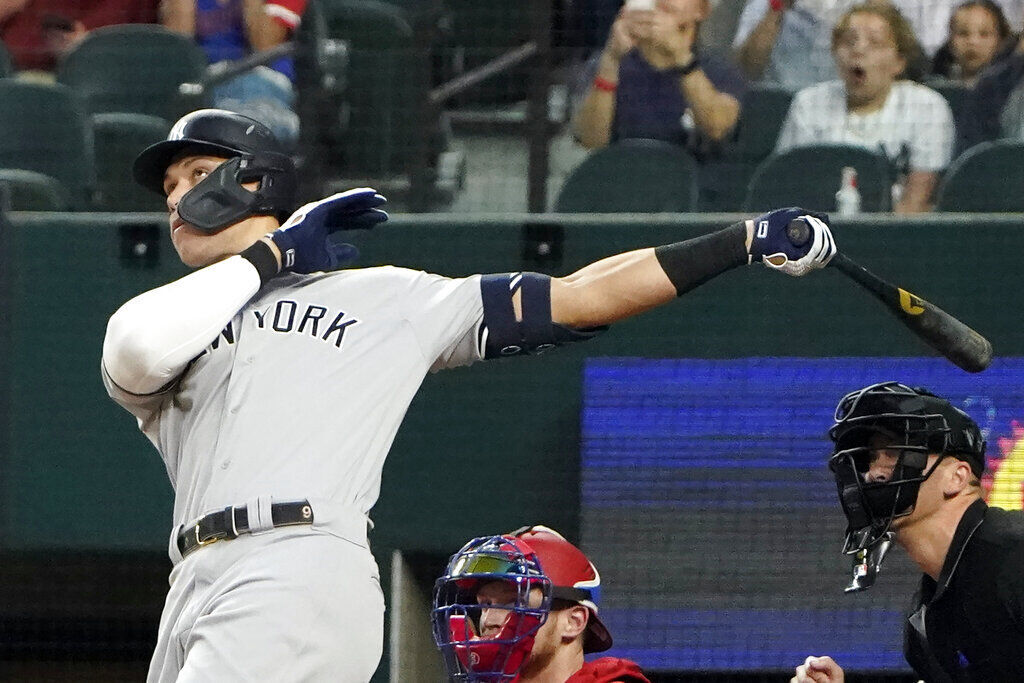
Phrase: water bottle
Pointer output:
(848, 197)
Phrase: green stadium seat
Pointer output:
(133, 68)
(955, 93)
(321, 77)
(119, 137)
(761, 117)
(762, 114)
(44, 128)
(388, 78)
(988, 177)
(809, 176)
(482, 31)
(31, 191)
(632, 176)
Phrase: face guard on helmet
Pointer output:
(495, 565)
(252, 154)
(910, 423)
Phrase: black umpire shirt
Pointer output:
(969, 625)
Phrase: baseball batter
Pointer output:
(273, 384)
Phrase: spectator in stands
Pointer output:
(233, 29)
(61, 34)
(978, 34)
(996, 107)
(38, 32)
(930, 19)
(653, 81)
(870, 107)
(787, 42)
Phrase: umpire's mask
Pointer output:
(909, 423)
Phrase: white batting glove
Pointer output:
(793, 240)
(821, 251)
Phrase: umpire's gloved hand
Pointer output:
(773, 246)
(303, 239)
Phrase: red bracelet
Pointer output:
(776, 5)
(605, 85)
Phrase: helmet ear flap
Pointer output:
(223, 134)
(220, 200)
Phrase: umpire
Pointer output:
(908, 466)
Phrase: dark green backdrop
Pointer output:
(483, 449)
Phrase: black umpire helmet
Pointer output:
(253, 154)
(913, 422)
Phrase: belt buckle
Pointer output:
(200, 542)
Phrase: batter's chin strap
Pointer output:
(220, 200)
(503, 335)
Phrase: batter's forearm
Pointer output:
(628, 284)
(610, 290)
(152, 338)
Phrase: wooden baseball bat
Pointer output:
(941, 331)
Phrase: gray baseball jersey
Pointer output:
(299, 397)
(303, 392)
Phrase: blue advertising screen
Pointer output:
(708, 507)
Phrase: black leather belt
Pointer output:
(232, 522)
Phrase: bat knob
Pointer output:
(798, 232)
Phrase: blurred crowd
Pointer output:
(38, 33)
(864, 73)
(877, 74)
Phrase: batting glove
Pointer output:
(773, 246)
(303, 239)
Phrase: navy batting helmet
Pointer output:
(253, 154)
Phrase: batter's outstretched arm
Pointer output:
(611, 289)
(627, 284)
(152, 338)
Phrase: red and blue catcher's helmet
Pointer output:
(532, 566)
(470, 654)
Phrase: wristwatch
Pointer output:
(685, 69)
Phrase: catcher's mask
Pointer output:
(252, 154)
(488, 577)
(538, 571)
(909, 423)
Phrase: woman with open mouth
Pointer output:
(872, 106)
